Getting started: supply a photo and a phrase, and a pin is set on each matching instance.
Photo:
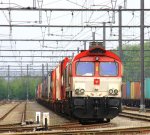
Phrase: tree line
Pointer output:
(132, 61)
(17, 88)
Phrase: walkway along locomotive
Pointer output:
(87, 87)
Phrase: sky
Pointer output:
(82, 18)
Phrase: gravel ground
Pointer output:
(33, 107)
(126, 122)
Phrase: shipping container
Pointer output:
(124, 91)
(128, 94)
(37, 92)
(137, 90)
(40, 90)
(44, 88)
(147, 88)
(58, 83)
(54, 85)
(132, 90)
(63, 67)
(49, 84)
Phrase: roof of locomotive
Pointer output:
(97, 51)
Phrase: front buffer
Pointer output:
(97, 109)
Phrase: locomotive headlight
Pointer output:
(82, 91)
(77, 91)
(115, 91)
(79, 88)
(111, 91)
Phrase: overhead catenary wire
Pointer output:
(72, 9)
(55, 39)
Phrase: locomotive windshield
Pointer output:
(85, 68)
(108, 68)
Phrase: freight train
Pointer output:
(86, 87)
(131, 93)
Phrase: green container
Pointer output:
(147, 88)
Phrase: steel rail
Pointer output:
(134, 108)
(24, 113)
(71, 126)
(134, 116)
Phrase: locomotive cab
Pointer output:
(96, 85)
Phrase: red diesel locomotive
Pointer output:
(87, 87)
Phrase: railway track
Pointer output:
(135, 116)
(15, 111)
(65, 127)
(83, 131)
(78, 126)
(8, 112)
(72, 127)
(135, 108)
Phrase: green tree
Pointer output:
(131, 61)
(3, 89)
(20, 86)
